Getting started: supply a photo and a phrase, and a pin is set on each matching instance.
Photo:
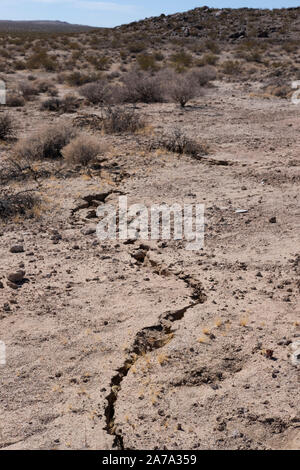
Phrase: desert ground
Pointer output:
(142, 344)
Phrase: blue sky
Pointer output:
(115, 12)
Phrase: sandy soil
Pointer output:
(146, 345)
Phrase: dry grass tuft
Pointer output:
(83, 150)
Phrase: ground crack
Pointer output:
(147, 340)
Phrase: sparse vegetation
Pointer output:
(6, 126)
(183, 90)
(96, 92)
(45, 144)
(69, 104)
(140, 87)
(13, 204)
(118, 120)
(178, 142)
(83, 150)
(14, 99)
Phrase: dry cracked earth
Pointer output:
(143, 344)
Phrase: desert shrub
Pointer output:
(159, 56)
(253, 56)
(231, 67)
(28, 90)
(208, 59)
(20, 65)
(146, 62)
(79, 79)
(12, 204)
(183, 90)
(99, 62)
(117, 120)
(51, 104)
(83, 150)
(45, 144)
(203, 75)
(178, 142)
(44, 85)
(41, 60)
(95, 92)
(140, 87)
(181, 60)
(136, 47)
(213, 46)
(14, 99)
(6, 126)
(69, 104)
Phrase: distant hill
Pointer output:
(42, 26)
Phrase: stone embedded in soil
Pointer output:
(17, 249)
(16, 277)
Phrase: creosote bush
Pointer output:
(69, 104)
(181, 60)
(141, 87)
(178, 142)
(45, 144)
(117, 120)
(79, 79)
(83, 150)
(12, 204)
(28, 90)
(203, 75)
(15, 100)
(183, 89)
(95, 92)
(6, 126)
(41, 60)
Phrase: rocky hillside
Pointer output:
(225, 24)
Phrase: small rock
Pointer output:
(12, 285)
(1, 285)
(17, 249)
(273, 220)
(16, 277)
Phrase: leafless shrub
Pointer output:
(6, 126)
(12, 204)
(141, 87)
(14, 99)
(182, 89)
(178, 142)
(44, 86)
(96, 92)
(69, 104)
(231, 67)
(79, 79)
(117, 120)
(45, 144)
(28, 90)
(83, 150)
(51, 104)
(203, 75)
